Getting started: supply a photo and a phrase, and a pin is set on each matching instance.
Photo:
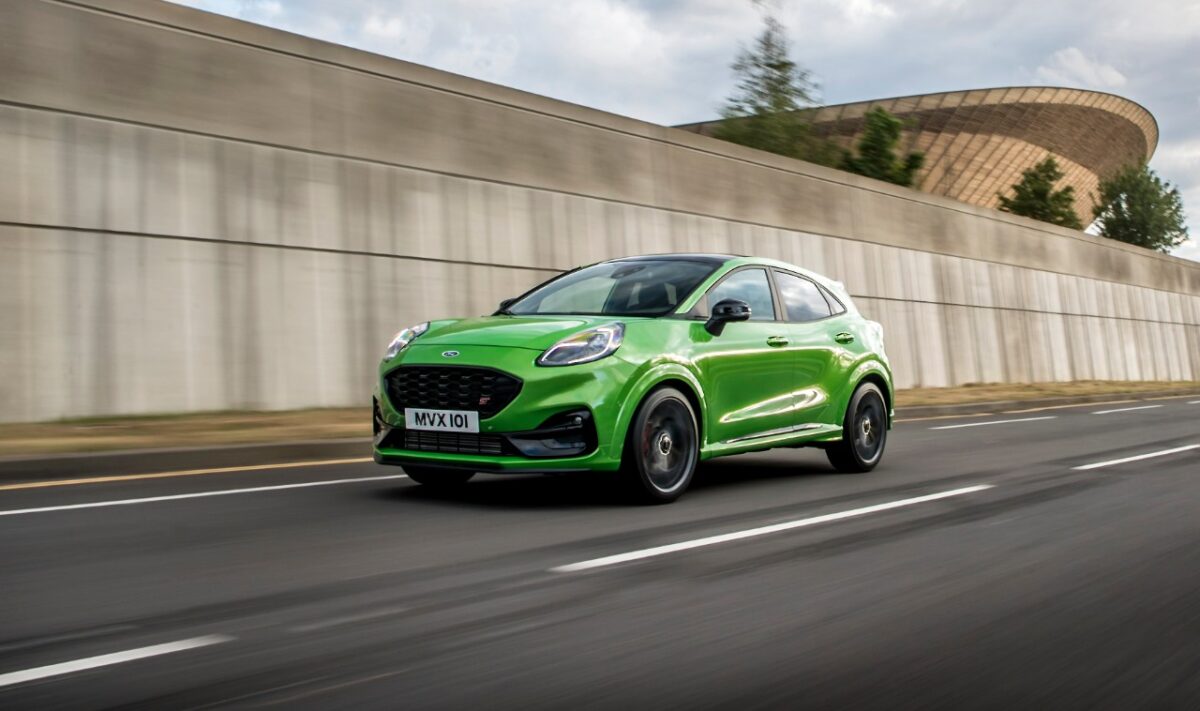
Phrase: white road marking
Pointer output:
(200, 494)
(994, 422)
(760, 531)
(1139, 457)
(1126, 409)
(1194, 402)
(129, 655)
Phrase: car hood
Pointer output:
(533, 332)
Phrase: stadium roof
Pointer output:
(978, 142)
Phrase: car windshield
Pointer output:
(641, 287)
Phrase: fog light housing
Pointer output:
(567, 434)
(380, 429)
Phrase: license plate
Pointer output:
(416, 418)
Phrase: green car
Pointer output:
(643, 366)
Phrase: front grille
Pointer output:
(441, 387)
(457, 443)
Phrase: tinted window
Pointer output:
(834, 304)
(641, 287)
(751, 286)
(802, 300)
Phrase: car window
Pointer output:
(586, 296)
(642, 287)
(834, 304)
(751, 286)
(802, 299)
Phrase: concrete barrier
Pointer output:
(198, 213)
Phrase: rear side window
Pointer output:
(751, 286)
(802, 299)
(834, 304)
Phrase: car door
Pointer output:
(812, 328)
(747, 371)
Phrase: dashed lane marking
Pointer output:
(760, 531)
(198, 495)
(994, 422)
(104, 660)
(1137, 458)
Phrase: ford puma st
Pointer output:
(643, 366)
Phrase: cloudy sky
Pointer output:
(667, 61)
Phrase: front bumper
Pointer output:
(533, 433)
(595, 461)
(565, 442)
(496, 465)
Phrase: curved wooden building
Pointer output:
(977, 142)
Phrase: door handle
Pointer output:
(777, 341)
(844, 337)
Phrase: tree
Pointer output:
(1034, 196)
(877, 151)
(766, 110)
(1138, 207)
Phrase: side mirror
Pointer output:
(726, 311)
(505, 304)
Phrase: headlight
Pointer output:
(401, 340)
(586, 346)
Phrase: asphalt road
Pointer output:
(978, 567)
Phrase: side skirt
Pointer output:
(810, 433)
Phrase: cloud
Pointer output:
(1189, 250)
(482, 56)
(861, 12)
(1072, 67)
(406, 35)
(384, 27)
(1179, 162)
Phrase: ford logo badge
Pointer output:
(449, 354)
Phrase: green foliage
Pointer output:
(1034, 196)
(1138, 207)
(877, 151)
(766, 110)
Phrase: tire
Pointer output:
(662, 447)
(438, 478)
(864, 432)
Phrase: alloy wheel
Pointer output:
(667, 445)
(869, 427)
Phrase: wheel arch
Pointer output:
(671, 375)
(689, 392)
(884, 384)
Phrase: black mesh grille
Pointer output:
(456, 442)
(436, 387)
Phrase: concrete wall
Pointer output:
(198, 213)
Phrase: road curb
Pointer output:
(146, 461)
(1000, 406)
